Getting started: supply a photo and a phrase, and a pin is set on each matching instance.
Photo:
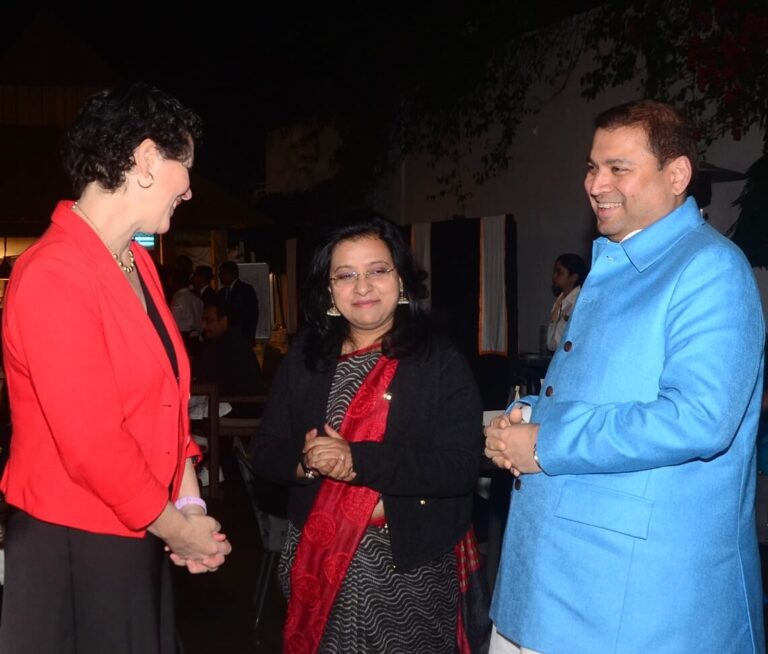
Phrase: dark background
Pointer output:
(248, 67)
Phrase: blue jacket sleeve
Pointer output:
(714, 338)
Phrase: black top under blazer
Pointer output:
(427, 466)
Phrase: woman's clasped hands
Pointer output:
(204, 546)
(328, 454)
(193, 539)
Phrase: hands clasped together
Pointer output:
(509, 443)
(193, 539)
(328, 454)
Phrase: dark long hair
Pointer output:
(325, 334)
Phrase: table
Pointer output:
(219, 426)
(211, 392)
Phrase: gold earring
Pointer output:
(403, 299)
(151, 181)
(332, 310)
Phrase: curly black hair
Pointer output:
(99, 145)
(325, 335)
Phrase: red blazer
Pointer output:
(100, 423)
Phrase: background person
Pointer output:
(374, 422)
(228, 360)
(634, 529)
(100, 471)
(241, 298)
(568, 275)
(186, 308)
(201, 284)
(184, 268)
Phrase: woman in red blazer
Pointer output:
(101, 464)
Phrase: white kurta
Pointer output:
(561, 314)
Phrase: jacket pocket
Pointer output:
(605, 508)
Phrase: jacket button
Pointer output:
(423, 502)
(518, 483)
(568, 346)
(549, 392)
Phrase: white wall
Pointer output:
(543, 190)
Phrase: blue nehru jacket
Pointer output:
(640, 535)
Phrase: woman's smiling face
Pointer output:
(368, 303)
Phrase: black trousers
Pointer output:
(69, 591)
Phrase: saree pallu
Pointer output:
(337, 521)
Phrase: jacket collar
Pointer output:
(653, 242)
(114, 283)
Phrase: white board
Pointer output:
(257, 275)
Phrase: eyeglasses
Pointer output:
(351, 277)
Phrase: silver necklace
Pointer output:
(127, 269)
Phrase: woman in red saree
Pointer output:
(374, 421)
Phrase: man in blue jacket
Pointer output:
(633, 529)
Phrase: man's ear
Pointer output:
(680, 173)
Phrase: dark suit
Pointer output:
(208, 296)
(230, 362)
(244, 306)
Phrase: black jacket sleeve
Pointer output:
(433, 444)
(426, 467)
(275, 452)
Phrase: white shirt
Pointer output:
(561, 314)
(187, 310)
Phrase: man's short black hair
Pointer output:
(206, 272)
(230, 267)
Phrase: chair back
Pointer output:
(272, 528)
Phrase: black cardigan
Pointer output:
(426, 467)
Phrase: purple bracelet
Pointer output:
(190, 499)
